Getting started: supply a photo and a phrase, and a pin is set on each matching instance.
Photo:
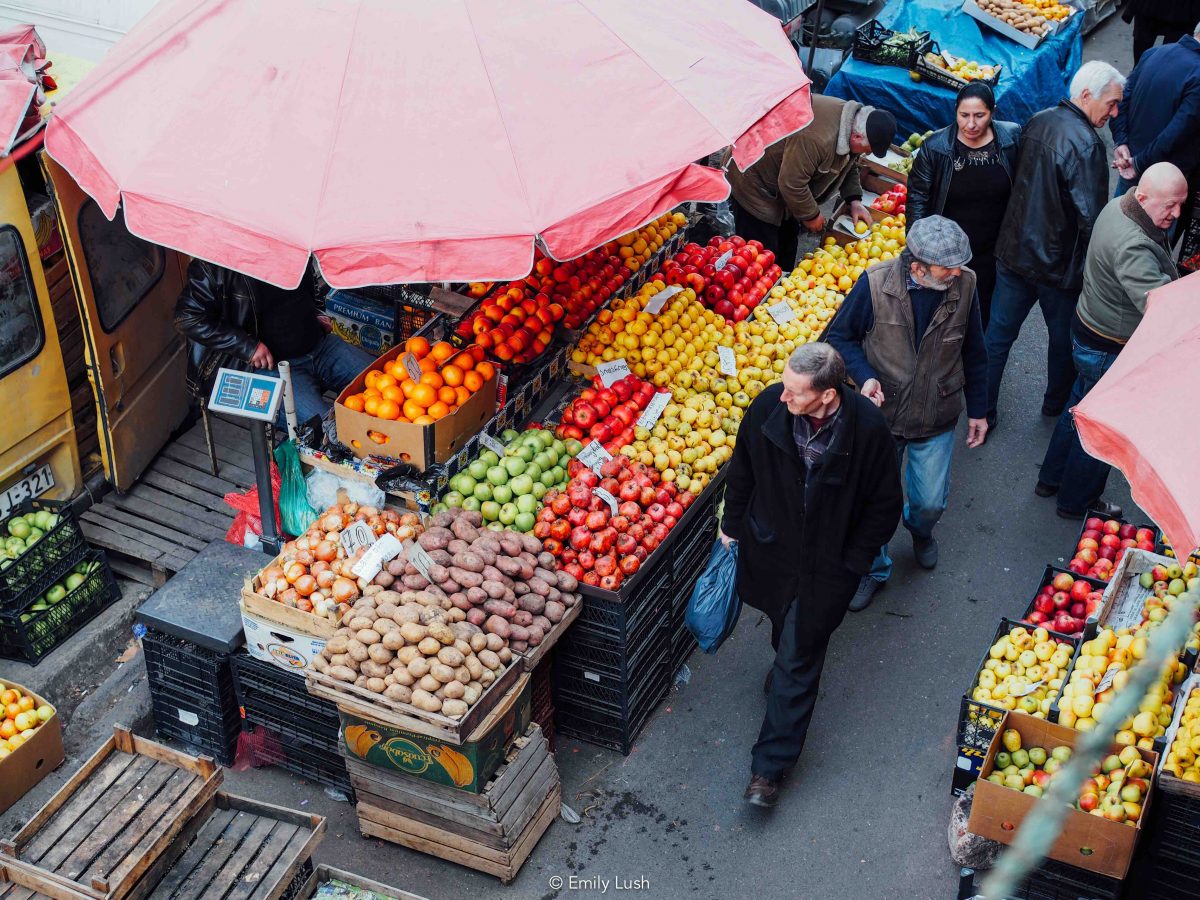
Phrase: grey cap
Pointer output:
(937, 241)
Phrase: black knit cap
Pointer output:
(881, 130)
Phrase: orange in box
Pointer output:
(34, 759)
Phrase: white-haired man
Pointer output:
(1060, 186)
(1127, 258)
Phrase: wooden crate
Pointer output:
(324, 873)
(492, 832)
(368, 705)
(297, 620)
(113, 819)
(535, 655)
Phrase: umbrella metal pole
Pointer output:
(812, 46)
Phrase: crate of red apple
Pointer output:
(1066, 602)
(607, 414)
(1103, 543)
(730, 275)
(604, 526)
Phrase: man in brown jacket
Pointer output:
(796, 175)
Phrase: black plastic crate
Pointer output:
(542, 690)
(308, 762)
(869, 46)
(192, 694)
(59, 549)
(1091, 623)
(597, 723)
(262, 682)
(1053, 880)
(31, 639)
(292, 725)
(295, 887)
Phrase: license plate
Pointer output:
(30, 486)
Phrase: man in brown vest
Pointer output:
(912, 338)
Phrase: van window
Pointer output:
(121, 266)
(21, 334)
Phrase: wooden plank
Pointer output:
(165, 864)
(434, 793)
(145, 501)
(178, 506)
(218, 837)
(194, 440)
(430, 832)
(515, 774)
(544, 782)
(110, 540)
(134, 572)
(198, 460)
(67, 792)
(214, 484)
(399, 790)
(544, 818)
(228, 874)
(184, 491)
(225, 434)
(117, 521)
(489, 834)
(202, 764)
(274, 882)
(176, 540)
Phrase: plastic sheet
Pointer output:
(248, 518)
(1032, 80)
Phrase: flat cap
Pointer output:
(936, 240)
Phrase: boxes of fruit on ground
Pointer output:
(1101, 830)
(1067, 603)
(31, 745)
(1025, 23)
(943, 68)
(1102, 544)
(1180, 770)
(40, 538)
(895, 163)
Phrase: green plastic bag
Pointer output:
(294, 510)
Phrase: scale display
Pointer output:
(251, 395)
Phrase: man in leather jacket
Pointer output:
(1059, 189)
(234, 321)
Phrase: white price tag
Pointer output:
(594, 456)
(356, 535)
(386, 548)
(781, 312)
(612, 372)
(659, 300)
(654, 410)
(723, 260)
(412, 366)
(1032, 687)
(728, 364)
(492, 444)
(607, 498)
(420, 559)
(1107, 680)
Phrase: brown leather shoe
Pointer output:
(762, 791)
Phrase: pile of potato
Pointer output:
(1017, 14)
(414, 647)
(502, 581)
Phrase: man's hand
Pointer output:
(815, 224)
(873, 391)
(262, 358)
(977, 430)
(859, 213)
(1123, 163)
(725, 539)
(325, 323)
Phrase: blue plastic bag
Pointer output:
(714, 606)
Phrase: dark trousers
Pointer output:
(984, 266)
(782, 240)
(1147, 29)
(795, 678)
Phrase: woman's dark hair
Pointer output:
(979, 91)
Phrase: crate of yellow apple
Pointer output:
(30, 741)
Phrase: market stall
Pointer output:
(1028, 76)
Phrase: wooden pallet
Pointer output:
(177, 508)
(112, 820)
(494, 831)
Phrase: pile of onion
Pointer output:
(313, 572)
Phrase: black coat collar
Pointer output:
(780, 424)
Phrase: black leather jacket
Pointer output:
(933, 167)
(217, 311)
(1060, 188)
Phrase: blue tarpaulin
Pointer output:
(1032, 79)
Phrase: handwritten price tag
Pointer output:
(654, 410)
(659, 300)
(416, 555)
(1107, 680)
(412, 366)
(356, 535)
(781, 312)
(728, 364)
(594, 456)
(607, 498)
(723, 260)
(386, 548)
(612, 372)
(492, 444)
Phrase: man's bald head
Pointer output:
(1161, 191)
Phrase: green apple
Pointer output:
(74, 580)
(527, 503)
(1020, 758)
(494, 526)
(508, 435)
(39, 606)
(521, 485)
(508, 513)
(19, 528)
(464, 482)
(533, 472)
(525, 522)
(1062, 754)
(489, 458)
(56, 593)
(514, 465)
(490, 511)
(525, 453)
(1003, 760)
(453, 499)
(1037, 756)
(502, 493)
(573, 447)
(477, 470)
(35, 535)
(539, 490)
(472, 504)
(498, 474)
(543, 461)
(41, 519)
(438, 507)
(1032, 790)
(483, 491)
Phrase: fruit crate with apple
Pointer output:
(72, 601)
(1067, 603)
(1102, 543)
(42, 540)
(1142, 588)
(1163, 547)
(877, 44)
(948, 71)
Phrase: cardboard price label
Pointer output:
(1107, 680)
(383, 550)
(1032, 687)
(612, 372)
(416, 555)
(728, 364)
(654, 410)
(412, 366)
(486, 440)
(356, 535)
(659, 300)
(723, 260)
(607, 498)
(781, 312)
(594, 456)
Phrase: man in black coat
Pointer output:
(813, 492)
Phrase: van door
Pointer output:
(137, 361)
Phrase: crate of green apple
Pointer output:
(604, 526)
(1102, 544)
(607, 414)
(1066, 602)
(38, 537)
(507, 489)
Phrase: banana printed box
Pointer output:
(468, 767)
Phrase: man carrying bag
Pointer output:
(813, 491)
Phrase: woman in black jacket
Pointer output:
(964, 172)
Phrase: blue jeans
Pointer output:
(1080, 479)
(1012, 301)
(330, 367)
(926, 488)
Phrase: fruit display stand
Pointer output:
(36, 757)
(492, 831)
(328, 883)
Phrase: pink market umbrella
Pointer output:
(1141, 418)
(404, 140)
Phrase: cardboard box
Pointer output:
(33, 760)
(421, 445)
(277, 644)
(1085, 841)
(871, 163)
(410, 753)
(295, 620)
(971, 8)
(841, 227)
(361, 321)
